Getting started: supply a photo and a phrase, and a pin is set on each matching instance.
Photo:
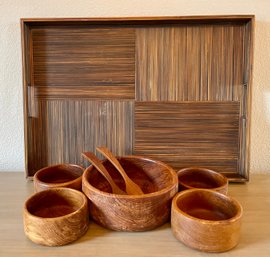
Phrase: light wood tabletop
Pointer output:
(99, 242)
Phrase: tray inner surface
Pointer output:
(174, 90)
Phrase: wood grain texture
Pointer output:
(254, 238)
(131, 187)
(189, 134)
(192, 58)
(103, 171)
(206, 220)
(56, 216)
(190, 63)
(84, 92)
(137, 20)
(79, 58)
(197, 177)
(64, 129)
(131, 212)
(59, 175)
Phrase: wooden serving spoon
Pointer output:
(131, 187)
(100, 167)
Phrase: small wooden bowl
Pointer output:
(206, 220)
(196, 177)
(60, 175)
(131, 212)
(56, 216)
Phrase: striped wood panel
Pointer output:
(189, 133)
(72, 68)
(64, 129)
(84, 61)
(190, 62)
(85, 92)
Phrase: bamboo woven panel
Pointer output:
(83, 62)
(92, 82)
(189, 133)
(63, 130)
(190, 63)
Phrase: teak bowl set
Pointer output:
(158, 182)
(205, 219)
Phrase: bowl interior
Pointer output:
(207, 205)
(201, 178)
(150, 175)
(59, 173)
(54, 203)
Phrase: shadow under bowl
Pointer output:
(206, 220)
(56, 216)
(157, 180)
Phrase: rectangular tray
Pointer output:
(91, 82)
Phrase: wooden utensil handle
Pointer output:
(100, 167)
(131, 187)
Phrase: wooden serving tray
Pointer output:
(175, 89)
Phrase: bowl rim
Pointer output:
(209, 171)
(85, 182)
(69, 190)
(236, 217)
(52, 185)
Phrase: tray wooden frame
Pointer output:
(121, 93)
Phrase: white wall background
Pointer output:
(11, 100)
